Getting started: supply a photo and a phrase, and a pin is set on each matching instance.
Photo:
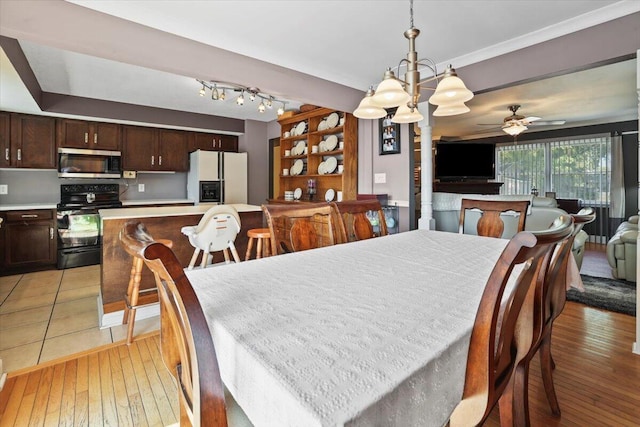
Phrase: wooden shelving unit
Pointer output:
(346, 131)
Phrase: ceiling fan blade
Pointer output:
(549, 123)
(531, 119)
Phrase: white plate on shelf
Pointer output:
(332, 120)
(321, 168)
(300, 128)
(331, 142)
(322, 125)
(297, 193)
(300, 148)
(297, 167)
(322, 146)
(329, 195)
(330, 164)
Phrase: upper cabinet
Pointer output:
(31, 142)
(213, 142)
(319, 145)
(89, 135)
(5, 135)
(151, 149)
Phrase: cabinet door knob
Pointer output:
(95, 138)
(29, 216)
(86, 137)
(6, 154)
(159, 160)
(50, 233)
(153, 160)
(19, 153)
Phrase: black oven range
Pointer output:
(79, 240)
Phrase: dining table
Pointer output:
(368, 333)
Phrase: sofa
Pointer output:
(540, 215)
(621, 250)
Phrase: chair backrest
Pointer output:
(496, 344)
(355, 216)
(217, 227)
(554, 294)
(298, 227)
(490, 223)
(188, 351)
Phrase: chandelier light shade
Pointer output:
(450, 91)
(451, 110)
(404, 114)
(219, 93)
(369, 109)
(390, 92)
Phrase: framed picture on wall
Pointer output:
(389, 134)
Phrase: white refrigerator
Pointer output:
(226, 173)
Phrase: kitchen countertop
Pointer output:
(147, 212)
(27, 206)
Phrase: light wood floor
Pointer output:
(116, 386)
(597, 379)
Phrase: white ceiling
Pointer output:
(350, 42)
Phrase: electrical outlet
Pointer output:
(140, 188)
(129, 174)
(4, 189)
(380, 178)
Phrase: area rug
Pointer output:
(609, 294)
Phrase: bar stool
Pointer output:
(134, 292)
(263, 236)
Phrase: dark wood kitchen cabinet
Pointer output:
(151, 149)
(31, 142)
(213, 142)
(30, 239)
(89, 135)
(5, 135)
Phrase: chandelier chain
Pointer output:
(411, 13)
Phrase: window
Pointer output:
(573, 168)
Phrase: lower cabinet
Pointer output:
(30, 239)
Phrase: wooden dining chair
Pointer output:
(499, 334)
(549, 301)
(299, 227)
(490, 223)
(187, 346)
(356, 222)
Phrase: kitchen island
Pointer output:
(163, 222)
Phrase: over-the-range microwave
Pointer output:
(81, 163)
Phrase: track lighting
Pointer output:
(218, 93)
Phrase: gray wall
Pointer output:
(255, 142)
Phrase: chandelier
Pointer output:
(450, 93)
(219, 93)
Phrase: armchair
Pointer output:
(621, 250)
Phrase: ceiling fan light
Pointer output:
(451, 110)
(514, 129)
(405, 115)
(367, 109)
(390, 92)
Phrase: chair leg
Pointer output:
(234, 252)
(194, 257)
(259, 249)
(520, 399)
(227, 259)
(132, 297)
(249, 247)
(205, 259)
(546, 367)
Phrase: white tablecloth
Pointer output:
(366, 333)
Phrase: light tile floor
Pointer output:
(51, 314)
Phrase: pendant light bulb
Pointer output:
(252, 96)
(223, 95)
(281, 110)
(261, 107)
(269, 102)
(202, 91)
(215, 95)
(240, 99)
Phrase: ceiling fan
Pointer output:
(515, 124)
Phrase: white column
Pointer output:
(426, 220)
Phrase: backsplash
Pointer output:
(28, 186)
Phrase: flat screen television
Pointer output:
(464, 161)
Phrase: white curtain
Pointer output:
(617, 207)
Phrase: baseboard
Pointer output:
(114, 318)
